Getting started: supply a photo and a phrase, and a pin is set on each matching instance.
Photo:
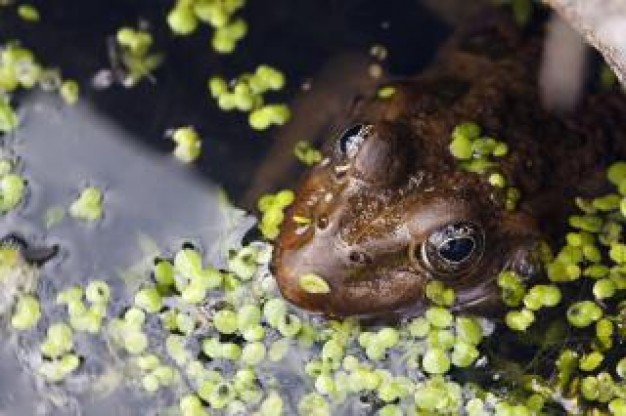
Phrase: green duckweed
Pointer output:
(248, 95)
(591, 361)
(436, 361)
(88, 206)
(98, 291)
(69, 91)
(512, 198)
(461, 148)
(313, 404)
(27, 313)
(583, 313)
(8, 118)
(188, 144)
(314, 284)
(263, 117)
(28, 13)
(437, 396)
(57, 370)
(12, 189)
(306, 153)
(519, 320)
(135, 54)
(604, 289)
(468, 330)
(225, 321)
(617, 406)
(59, 340)
(464, 354)
(272, 207)
(439, 317)
(182, 20)
(244, 262)
(542, 296)
(439, 294)
(512, 288)
(190, 405)
(225, 38)
(616, 173)
(475, 155)
(187, 15)
(497, 180)
(386, 92)
(149, 299)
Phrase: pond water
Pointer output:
(115, 139)
(159, 210)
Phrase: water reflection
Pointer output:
(150, 201)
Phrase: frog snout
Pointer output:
(309, 275)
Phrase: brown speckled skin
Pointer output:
(403, 183)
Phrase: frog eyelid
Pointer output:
(351, 139)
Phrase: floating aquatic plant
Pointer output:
(223, 340)
(12, 186)
(246, 94)
(216, 348)
(306, 153)
(478, 154)
(88, 205)
(272, 207)
(19, 68)
(28, 12)
(588, 265)
(135, 56)
(184, 18)
(188, 144)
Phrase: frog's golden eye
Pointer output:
(351, 140)
(453, 248)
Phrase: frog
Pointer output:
(388, 209)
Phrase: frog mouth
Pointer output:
(361, 291)
(363, 297)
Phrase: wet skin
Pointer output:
(390, 210)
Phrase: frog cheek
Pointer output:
(381, 293)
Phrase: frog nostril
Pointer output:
(322, 221)
(359, 257)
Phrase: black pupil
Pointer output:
(456, 250)
(347, 135)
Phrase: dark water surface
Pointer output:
(299, 37)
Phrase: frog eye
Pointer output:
(453, 248)
(350, 140)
